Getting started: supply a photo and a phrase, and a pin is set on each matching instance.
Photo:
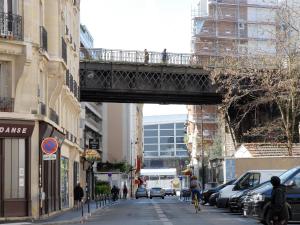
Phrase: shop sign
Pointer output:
(49, 146)
(94, 144)
(49, 157)
(15, 130)
(92, 155)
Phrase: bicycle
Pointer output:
(196, 203)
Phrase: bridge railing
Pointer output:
(109, 55)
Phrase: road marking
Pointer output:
(162, 217)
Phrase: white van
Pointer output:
(251, 178)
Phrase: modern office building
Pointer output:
(38, 100)
(164, 145)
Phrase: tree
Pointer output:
(252, 83)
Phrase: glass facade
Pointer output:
(164, 140)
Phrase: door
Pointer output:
(293, 196)
(1, 178)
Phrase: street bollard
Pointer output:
(96, 200)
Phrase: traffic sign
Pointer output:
(49, 145)
(49, 157)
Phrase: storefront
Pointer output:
(50, 174)
(15, 151)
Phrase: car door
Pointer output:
(293, 196)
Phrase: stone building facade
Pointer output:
(39, 98)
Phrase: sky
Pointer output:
(140, 24)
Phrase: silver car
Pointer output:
(141, 192)
(157, 192)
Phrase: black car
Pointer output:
(257, 203)
(236, 201)
(213, 199)
(208, 192)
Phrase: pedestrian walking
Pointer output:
(146, 56)
(125, 191)
(278, 210)
(115, 193)
(78, 195)
(164, 56)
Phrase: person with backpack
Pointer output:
(78, 195)
(195, 188)
(278, 208)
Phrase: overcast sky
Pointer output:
(140, 24)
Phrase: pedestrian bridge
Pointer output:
(125, 76)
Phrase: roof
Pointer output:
(265, 150)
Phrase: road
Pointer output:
(168, 211)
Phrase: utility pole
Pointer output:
(202, 150)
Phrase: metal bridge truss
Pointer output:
(144, 83)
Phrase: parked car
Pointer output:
(236, 201)
(213, 199)
(141, 192)
(248, 180)
(257, 203)
(208, 192)
(157, 192)
(170, 191)
(185, 193)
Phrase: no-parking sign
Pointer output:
(49, 147)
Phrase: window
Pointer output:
(167, 140)
(167, 153)
(14, 168)
(179, 139)
(167, 133)
(151, 133)
(166, 147)
(151, 127)
(181, 153)
(180, 126)
(150, 154)
(5, 80)
(181, 147)
(151, 147)
(180, 132)
(168, 126)
(150, 140)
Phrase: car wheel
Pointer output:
(150, 197)
(162, 197)
(268, 218)
(136, 197)
(231, 209)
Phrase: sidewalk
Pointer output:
(73, 215)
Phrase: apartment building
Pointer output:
(91, 124)
(39, 60)
(233, 27)
(164, 145)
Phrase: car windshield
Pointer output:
(156, 189)
(141, 189)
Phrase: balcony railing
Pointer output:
(43, 38)
(43, 108)
(64, 50)
(53, 116)
(11, 26)
(6, 104)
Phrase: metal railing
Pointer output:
(6, 104)
(110, 55)
(53, 116)
(64, 50)
(43, 38)
(11, 26)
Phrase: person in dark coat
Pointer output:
(78, 195)
(115, 193)
(125, 191)
(164, 56)
(278, 208)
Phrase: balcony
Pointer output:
(53, 116)
(6, 104)
(43, 109)
(64, 50)
(43, 38)
(11, 26)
